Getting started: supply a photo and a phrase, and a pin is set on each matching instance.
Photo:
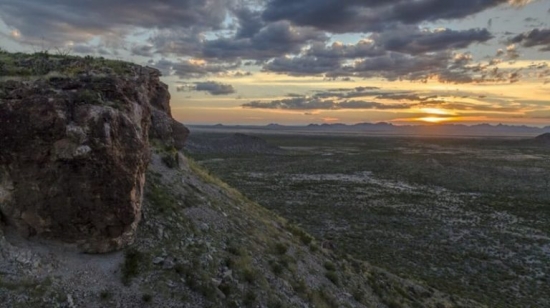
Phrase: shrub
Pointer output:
(300, 286)
(249, 299)
(147, 298)
(234, 250)
(358, 294)
(305, 238)
(105, 295)
(130, 267)
(333, 277)
(277, 268)
(329, 266)
(226, 288)
(313, 247)
(170, 160)
(250, 275)
(281, 248)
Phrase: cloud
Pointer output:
(79, 21)
(399, 66)
(535, 37)
(315, 103)
(214, 88)
(455, 103)
(349, 93)
(404, 53)
(302, 66)
(274, 40)
(205, 38)
(189, 69)
(415, 41)
(372, 15)
(143, 50)
(337, 50)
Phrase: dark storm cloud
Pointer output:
(314, 103)
(396, 66)
(364, 48)
(142, 50)
(303, 66)
(372, 15)
(415, 41)
(188, 69)
(408, 53)
(536, 37)
(274, 40)
(61, 20)
(283, 36)
(330, 15)
(250, 22)
(214, 88)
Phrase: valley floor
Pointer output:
(201, 243)
(468, 216)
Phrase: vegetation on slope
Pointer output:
(203, 244)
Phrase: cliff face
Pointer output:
(75, 148)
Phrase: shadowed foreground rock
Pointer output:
(74, 151)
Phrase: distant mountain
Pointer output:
(392, 129)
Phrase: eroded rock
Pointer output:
(74, 151)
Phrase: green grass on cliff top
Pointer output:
(43, 63)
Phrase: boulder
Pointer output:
(74, 151)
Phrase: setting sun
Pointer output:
(434, 119)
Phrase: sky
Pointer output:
(297, 62)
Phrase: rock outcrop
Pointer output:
(75, 148)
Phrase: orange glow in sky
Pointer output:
(437, 111)
(434, 119)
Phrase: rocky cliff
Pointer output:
(75, 148)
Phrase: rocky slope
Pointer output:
(202, 244)
(199, 243)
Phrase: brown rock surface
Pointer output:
(74, 151)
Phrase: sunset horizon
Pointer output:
(300, 62)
